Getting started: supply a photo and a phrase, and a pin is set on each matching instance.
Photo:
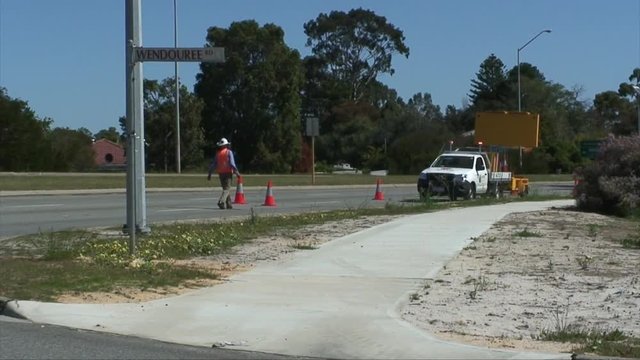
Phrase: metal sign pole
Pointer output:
(313, 160)
(312, 128)
(141, 198)
(135, 55)
(130, 11)
(175, 44)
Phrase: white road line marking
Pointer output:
(32, 206)
(178, 210)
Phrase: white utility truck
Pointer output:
(467, 173)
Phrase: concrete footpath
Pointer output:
(342, 300)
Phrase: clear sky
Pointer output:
(66, 57)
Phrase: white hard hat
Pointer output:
(223, 142)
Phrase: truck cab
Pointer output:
(455, 174)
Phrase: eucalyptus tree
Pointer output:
(71, 150)
(627, 88)
(614, 112)
(631, 90)
(160, 126)
(23, 136)
(253, 98)
(110, 134)
(355, 47)
(354, 126)
(423, 105)
(349, 51)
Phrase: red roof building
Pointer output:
(108, 153)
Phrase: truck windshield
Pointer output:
(465, 162)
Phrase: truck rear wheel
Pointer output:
(497, 191)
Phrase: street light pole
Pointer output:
(636, 88)
(177, 81)
(518, 56)
(518, 59)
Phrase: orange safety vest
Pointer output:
(223, 165)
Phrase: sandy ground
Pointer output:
(535, 272)
(531, 272)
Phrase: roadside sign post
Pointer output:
(135, 55)
(135, 189)
(313, 130)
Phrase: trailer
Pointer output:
(502, 181)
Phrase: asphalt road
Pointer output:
(28, 214)
(53, 211)
(21, 339)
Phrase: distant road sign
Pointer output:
(590, 148)
(206, 54)
(313, 127)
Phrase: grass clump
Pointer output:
(597, 341)
(527, 233)
(304, 246)
(632, 241)
(601, 342)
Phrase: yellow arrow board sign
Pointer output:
(207, 54)
(505, 128)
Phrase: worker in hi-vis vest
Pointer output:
(224, 165)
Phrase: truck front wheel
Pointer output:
(423, 192)
(470, 191)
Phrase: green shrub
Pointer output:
(611, 184)
(323, 167)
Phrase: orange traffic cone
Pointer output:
(269, 200)
(379, 195)
(239, 199)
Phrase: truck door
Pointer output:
(483, 176)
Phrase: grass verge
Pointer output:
(88, 181)
(596, 341)
(43, 266)
(44, 280)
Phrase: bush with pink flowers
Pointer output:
(611, 184)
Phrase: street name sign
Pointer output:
(206, 54)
